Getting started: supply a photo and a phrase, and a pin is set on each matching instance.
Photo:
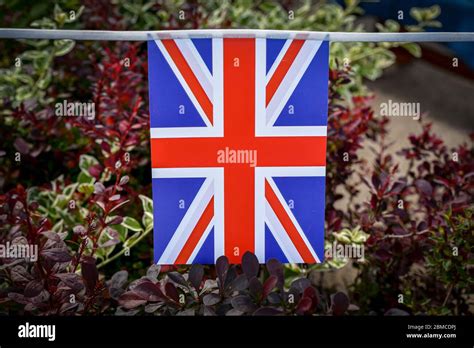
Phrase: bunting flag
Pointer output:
(238, 145)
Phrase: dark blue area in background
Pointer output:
(456, 16)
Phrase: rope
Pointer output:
(104, 35)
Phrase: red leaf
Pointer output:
(269, 285)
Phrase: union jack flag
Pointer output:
(238, 144)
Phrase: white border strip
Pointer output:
(107, 35)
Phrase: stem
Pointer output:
(450, 289)
(124, 249)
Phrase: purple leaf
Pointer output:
(79, 229)
(304, 305)
(178, 278)
(89, 272)
(71, 280)
(21, 145)
(195, 275)
(99, 188)
(424, 187)
(51, 235)
(149, 291)
(269, 285)
(116, 220)
(209, 312)
(267, 312)
(130, 300)
(300, 284)
(255, 288)
(250, 265)
(19, 274)
(340, 303)
(153, 272)
(211, 299)
(240, 283)
(33, 288)
(396, 312)
(119, 279)
(56, 254)
(222, 265)
(313, 294)
(172, 292)
(243, 303)
(275, 268)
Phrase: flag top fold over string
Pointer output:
(55, 34)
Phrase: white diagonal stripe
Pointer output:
(197, 65)
(281, 236)
(291, 80)
(183, 83)
(190, 220)
(292, 218)
(278, 59)
(201, 242)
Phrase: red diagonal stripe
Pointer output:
(288, 224)
(196, 234)
(282, 69)
(189, 77)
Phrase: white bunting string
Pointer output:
(104, 35)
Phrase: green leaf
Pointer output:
(86, 188)
(63, 47)
(23, 93)
(58, 227)
(147, 204)
(131, 224)
(58, 13)
(45, 81)
(122, 231)
(44, 23)
(432, 12)
(69, 190)
(433, 24)
(417, 14)
(85, 178)
(413, 48)
(147, 220)
(33, 54)
(26, 79)
(42, 63)
(392, 26)
(132, 239)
